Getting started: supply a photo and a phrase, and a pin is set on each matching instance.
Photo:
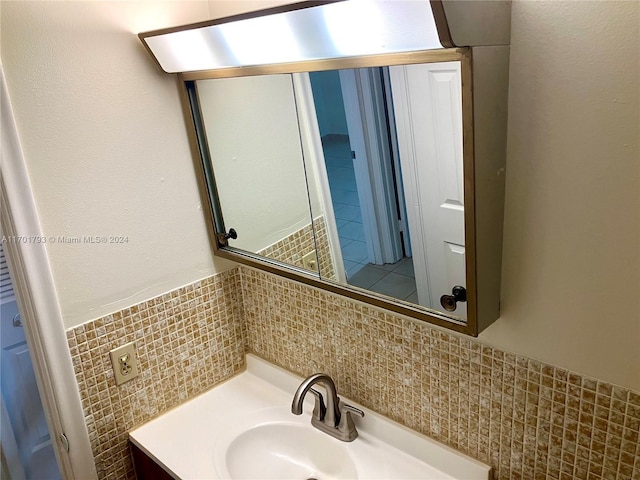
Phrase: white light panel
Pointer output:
(353, 27)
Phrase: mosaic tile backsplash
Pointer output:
(527, 419)
(186, 341)
(292, 248)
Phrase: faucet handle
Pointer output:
(319, 409)
(346, 408)
(346, 427)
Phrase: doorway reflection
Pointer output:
(346, 205)
(334, 133)
(395, 278)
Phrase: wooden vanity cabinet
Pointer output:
(145, 467)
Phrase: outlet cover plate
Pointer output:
(125, 364)
(310, 261)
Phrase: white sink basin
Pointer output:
(244, 429)
(281, 451)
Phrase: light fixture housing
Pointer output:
(307, 31)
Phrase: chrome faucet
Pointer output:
(334, 417)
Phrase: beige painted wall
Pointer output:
(571, 284)
(261, 183)
(107, 153)
(106, 149)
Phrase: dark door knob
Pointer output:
(224, 237)
(449, 302)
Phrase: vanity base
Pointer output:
(145, 467)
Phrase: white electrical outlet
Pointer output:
(125, 366)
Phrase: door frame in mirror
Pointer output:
(208, 191)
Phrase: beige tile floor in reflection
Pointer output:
(393, 279)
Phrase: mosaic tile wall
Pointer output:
(324, 250)
(291, 249)
(527, 419)
(186, 341)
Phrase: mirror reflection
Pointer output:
(256, 154)
(356, 175)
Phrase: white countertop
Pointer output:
(184, 440)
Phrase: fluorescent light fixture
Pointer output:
(365, 36)
(365, 27)
(331, 30)
(192, 48)
(260, 40)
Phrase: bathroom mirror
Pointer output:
(252, 134)
(331, 166)
(375, 176)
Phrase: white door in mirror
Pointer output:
(428, 108)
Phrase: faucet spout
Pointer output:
(334, 418)
(332, 414)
